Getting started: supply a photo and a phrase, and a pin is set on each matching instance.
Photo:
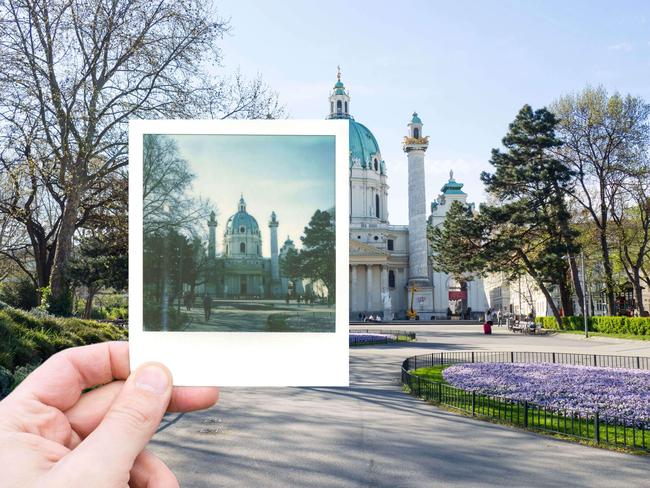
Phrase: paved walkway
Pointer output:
(373, 435)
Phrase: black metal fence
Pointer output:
(599, 360)
(400, 336)
(615, 431)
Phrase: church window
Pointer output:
(416, 133)
(358, 237)
(391, 245)
(376, 165)
(242, 247)
(332, 107)
(339, 107)
(391, 278)
(346, 107)
(242, 229)
(377, 206)
(376, 238)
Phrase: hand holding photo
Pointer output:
(210, 270)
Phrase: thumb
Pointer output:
(130, 423)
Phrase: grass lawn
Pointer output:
(538, 419)
(605, 334)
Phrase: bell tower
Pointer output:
(339, 99)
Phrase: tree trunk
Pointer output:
(59, 285)
(577, 284)
(609, 276)
(88, 309)
(638, 290)
(542, 287)
(566, 299)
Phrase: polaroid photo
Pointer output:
(238, 264)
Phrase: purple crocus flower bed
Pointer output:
(623, 394)
(368, 338)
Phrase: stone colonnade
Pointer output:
(372, 300)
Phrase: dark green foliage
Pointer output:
(152, 316)
(290, 265)
(6, 382)
(606, 325)
(526, 231)
(20, 294)
(174, 253)
(101, 262)
(28, 339)
(22, 372)
(318, 255)
(457, 243)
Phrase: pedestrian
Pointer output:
(499, 317)
(207, 306)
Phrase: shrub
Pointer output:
(29, 339)
(22, 372)
(607, 325)
(6, 382)
(20, 294)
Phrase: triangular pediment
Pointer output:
(361, 249)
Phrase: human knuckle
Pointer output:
(133, 415)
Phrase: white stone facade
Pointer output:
(387, 260)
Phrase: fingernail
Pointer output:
(152, 378)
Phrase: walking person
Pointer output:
(207, 306)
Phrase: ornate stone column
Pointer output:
(368, 287)
(353, 288)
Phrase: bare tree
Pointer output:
(631, 217)
(603, 137)
(74, 72)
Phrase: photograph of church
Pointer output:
(246, 190)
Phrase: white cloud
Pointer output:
(624, 46)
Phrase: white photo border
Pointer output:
(242, 358)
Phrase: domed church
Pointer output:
(390, 265)
(241, 271)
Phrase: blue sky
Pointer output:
(466, 67)
(291, 175)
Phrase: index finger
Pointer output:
(61, 379)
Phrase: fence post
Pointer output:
(553, 358)
(597, 428)
(512, 356)
(439, 392)
(441, 358)
(415, 362)
(418, 386)
(526, 414)
(473, 404)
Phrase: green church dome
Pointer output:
(363, 146)
(242, 222)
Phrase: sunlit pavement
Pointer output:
(372, 434)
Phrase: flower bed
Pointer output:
(369, 338)
(619, 393)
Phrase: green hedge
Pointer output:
(607, 325)
(27, 340)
